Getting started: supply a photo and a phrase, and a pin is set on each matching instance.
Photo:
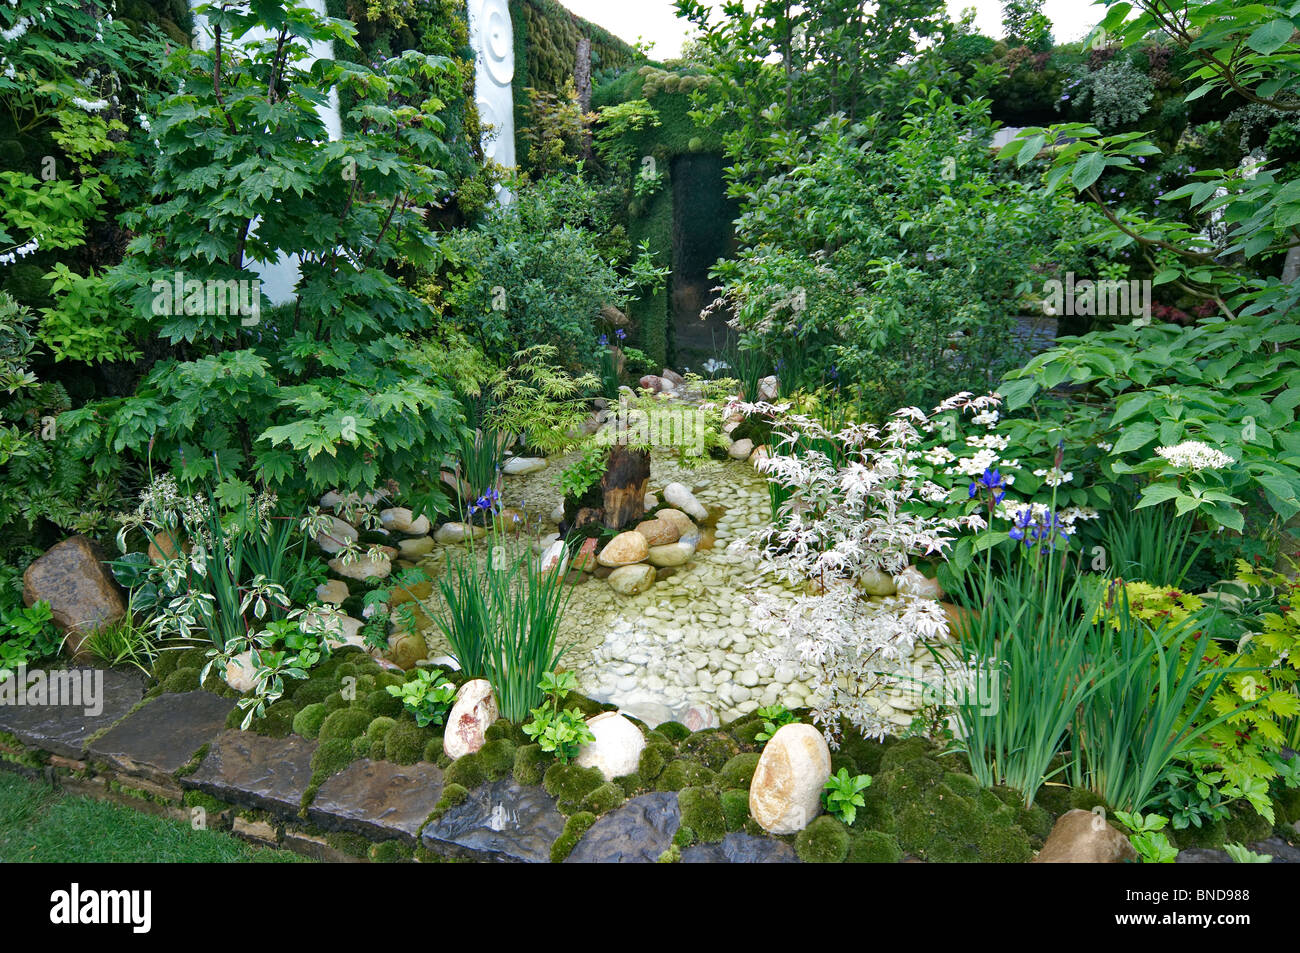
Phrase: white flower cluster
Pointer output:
(16, 31)
(1195, 456)
(22, 251)
(90, 105)
(846, 517)
(1055, 476)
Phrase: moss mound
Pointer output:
(570, 784)
(738, 772)
(713, 749)
(824, 841)
(735, 809)
(346, 723)
(531, 763)
(702, 811)
(309, 720)
(684, 773)
(605, 798)
(873, 847)
(574, 828)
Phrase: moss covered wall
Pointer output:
(546, 51)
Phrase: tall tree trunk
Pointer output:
(623, 487)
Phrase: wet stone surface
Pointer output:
(164, 735)
(636, 833)
(378, 799)
(252, 770)
(741, 849)
(503, 821)
(63, 729)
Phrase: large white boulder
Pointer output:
(617, 747)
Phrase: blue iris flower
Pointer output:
(993, 482)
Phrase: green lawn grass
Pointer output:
(42, 825)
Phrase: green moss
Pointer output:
(683, 773)
(467, 771)
(1035, 821)
(746, 731)
(1082, 799)
(738, 772)
(354, 845)
(211, 805)
(497, 758)
(1244, 824)
(433, 750)
(194, 658)
(873, 847)
(713, 749)
(331, 757)
(569, 784)
(278, 720)
(630, 784)
(165, 664)
(1053, 798)
(672, 855)
(390, 852)
(674, 731)
(735, 809)
(684, 836)
(508, 730)
(347, 724)
(907, 750)
(1211, 834)
(335, 701)
(701, 809)
(309, 720)
(605, 798)
(944, 827)
(182, 680)
(654, 757)
(453, 795)
(963, 784)
(381, 703)
(824, 841)
(405, 742)
(315, 689)
(653, 737)
(531, 763)
(1287, 806)
(574, 829)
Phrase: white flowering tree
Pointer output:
(863, 508)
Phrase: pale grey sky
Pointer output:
(653, 20)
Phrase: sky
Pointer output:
(654, 20)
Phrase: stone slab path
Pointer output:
(269, 774)
(378, 799)
(636, 833)
(502, 822)
(64, 729)
(163, 736)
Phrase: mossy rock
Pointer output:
(497, 758)
(346, 723)
(569, 784)
(630, 784)
(574, 829)
(278, 720)
(331, 757)
(467, 771)
(746, 731)
(405, 741)
(1244, 824)
(312, 691)
(735, 809)
(508, 730)
(1211, 834)
(453, 795)
(1035, 822)
(308, 721)
(654, 758)
(683, 773)
(713, 749)
(194, 658)
(531, 763)
(824, 841)
(354, 845)
(589, 707)
(1053, 798)
(1287, 806)
(433, 750)
(963, 784)
(674, 731)
(335, 701)
(739, 770)
(944, 827)
(390, 852)
(373, 740)
(701, 810)
(605, 798)
(910, 749)
(165, 664)
(379, 702)
(873, 847)
(182, 680)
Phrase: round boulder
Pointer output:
(786, 793)
(617, 747)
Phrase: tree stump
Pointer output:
(623, 487)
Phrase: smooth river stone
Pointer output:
(624, 550)
(786, 792)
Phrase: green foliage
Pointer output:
(320, 394)
(29, 633)
(558, 731)
(774, 717)
(541, 270)
(843, 795)
(427, 696)
(1151, 844)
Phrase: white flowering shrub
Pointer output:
(865, 507)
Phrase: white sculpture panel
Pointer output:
(493, 40)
